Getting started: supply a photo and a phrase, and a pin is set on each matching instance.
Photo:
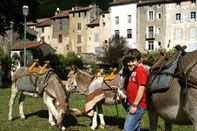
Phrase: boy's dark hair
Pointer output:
(134, 54)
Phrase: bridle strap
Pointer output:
(189, 68)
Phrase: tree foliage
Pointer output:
(5, 62)
(115, 51)
(11, 10)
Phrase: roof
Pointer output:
(46, 22)
(122, 2)
(80, 9)
(39, 50)
(62, 14)
(31, 23)
(28, 45)
(148, 2)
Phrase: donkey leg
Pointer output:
(153, 120)
(168, 126)
(94, 121)
(21, 103)
(101, 116)
(49, 103)
(12, 100)
(51, 119)
(51, 107)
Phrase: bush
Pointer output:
(62, 63)
(73, 59)
(5, 63)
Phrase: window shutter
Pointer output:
(146, 45)
(147, 33)
(156, 45)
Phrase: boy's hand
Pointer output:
(133, 109)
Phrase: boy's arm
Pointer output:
(139, 95)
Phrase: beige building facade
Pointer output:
(44, 30)
(181, 24)
(78, 28)
(151, 26)
(165, 24)
(60, 34)
(98, 33)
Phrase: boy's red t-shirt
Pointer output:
(138, 77)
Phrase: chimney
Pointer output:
(57, 11)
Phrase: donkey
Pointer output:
(113, 92)
(178, 103)
(49, 87)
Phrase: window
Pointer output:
(79, 49)
(150, 15)
(42, 29)
(78, 38)
(150, 32)
(193, 15)
(158, 16)
(159, 44)
(67, 47)
(60, 39)
(193, 1)
(178, 3)
(117, 20)
(61, 24)
(129, 33)
(42, 39)
(129, 18)
(117, 33)
(79, 26)
(150, 45)
(178, 16)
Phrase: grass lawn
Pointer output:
(37, 117)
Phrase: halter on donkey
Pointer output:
(47, 85)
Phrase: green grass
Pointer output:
(37, 120)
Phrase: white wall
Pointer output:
(123, 11)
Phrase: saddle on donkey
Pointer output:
(31, 79)
(163, 71)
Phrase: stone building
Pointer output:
(60, 33)
(79, 18)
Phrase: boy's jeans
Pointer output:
(132, 122)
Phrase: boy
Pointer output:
(136, 92)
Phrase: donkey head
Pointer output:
(71, 83)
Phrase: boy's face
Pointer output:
(131, 65)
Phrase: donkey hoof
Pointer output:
(23, 117)
(102, 126)
(93, 128)
(52, 124)
(63, 128)
(10, 118)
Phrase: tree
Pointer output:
(115, 51)
(11, 10)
